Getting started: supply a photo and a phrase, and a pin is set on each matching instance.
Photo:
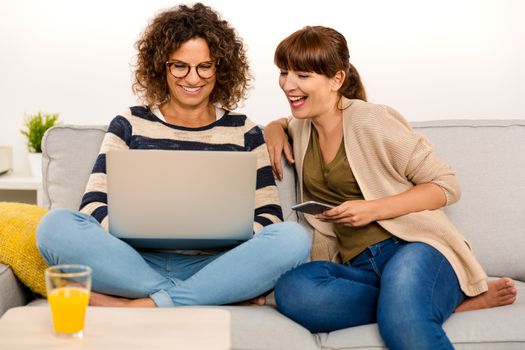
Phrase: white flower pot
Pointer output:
(35, 164)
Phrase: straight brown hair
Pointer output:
(321, 50)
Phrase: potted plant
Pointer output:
(35, 127)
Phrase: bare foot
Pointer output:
(501, 292)
(257, 301)
(260, 300)
(99, 299)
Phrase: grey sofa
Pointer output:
(489, 159)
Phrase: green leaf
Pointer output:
(35, 128)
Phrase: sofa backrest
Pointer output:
(486, 155)
(489, 159)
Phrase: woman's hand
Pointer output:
(353, 213)
(277, 143)
(426, 196)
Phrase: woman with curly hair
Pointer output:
(191, 71)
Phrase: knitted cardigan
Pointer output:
(387, 157)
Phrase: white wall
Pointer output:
(428, 59)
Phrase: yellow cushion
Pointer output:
(18, 249)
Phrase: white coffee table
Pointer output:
(120, 328)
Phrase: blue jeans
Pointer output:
(171, 279)
(409, 289)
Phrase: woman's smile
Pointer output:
(297, 101)
(191, 90)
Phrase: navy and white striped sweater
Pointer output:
(139, 128)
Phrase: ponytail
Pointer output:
(353, 87)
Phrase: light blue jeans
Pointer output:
(409, 289)
(171, 279)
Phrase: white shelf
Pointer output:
(19, 181)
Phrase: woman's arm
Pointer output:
(94, 201)
(430, 183)
(421, 197)
(276, 137)
(267, 206)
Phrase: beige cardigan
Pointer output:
(387, 157)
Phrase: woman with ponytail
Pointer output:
(386, 252)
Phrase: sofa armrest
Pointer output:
(12, 292)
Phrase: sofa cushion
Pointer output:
(287, 191)
(488, 329)
(68, 155)
(487, 156)
(263, 327)
(18, 249)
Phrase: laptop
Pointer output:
(181, 199)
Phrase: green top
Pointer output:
(334, 183)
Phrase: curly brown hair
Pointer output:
(173, 27)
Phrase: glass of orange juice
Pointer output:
(68, 288)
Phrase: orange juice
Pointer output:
(68, 308)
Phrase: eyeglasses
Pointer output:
(179, 70)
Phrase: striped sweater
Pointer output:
(139, 128)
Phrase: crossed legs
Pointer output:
(242, 273)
